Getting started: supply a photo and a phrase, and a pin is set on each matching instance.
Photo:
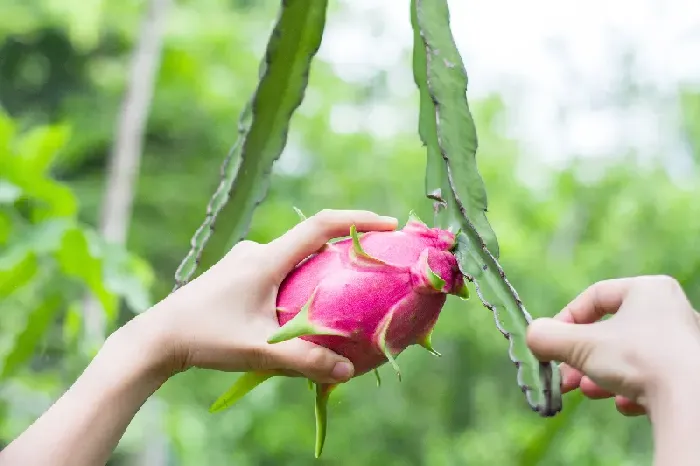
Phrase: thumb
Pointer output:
(553, 340)
(312, 361)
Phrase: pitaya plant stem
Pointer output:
(447, 128)
(456, 119)
(436, 187)
(262, 131)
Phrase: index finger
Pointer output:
(604, 297)
(310, 235)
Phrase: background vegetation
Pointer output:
(63, 69)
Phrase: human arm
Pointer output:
(647, 356)
(221, 320)
(86, 423)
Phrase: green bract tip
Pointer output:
(385, 347)
(435, 280)
(323, 391)
(358, 254)
(413, 217)
(300, 325)
(463, 291)
(426, 342)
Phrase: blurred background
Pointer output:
(588, 116)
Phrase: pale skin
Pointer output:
(647, 355)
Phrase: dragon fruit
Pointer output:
(367, 298)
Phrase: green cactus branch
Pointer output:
(448, 132)
(436, 186)
(447, 129)
(262, 132)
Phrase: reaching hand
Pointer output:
(222, 319)
(651, 342)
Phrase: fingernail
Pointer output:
(388, 219)
(342, 371)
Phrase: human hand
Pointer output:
(222, 319)
(651, 342)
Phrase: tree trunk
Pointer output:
(123, 169)
(125, 158)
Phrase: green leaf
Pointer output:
(42, 238)
(25, 163)
(39, 147)
(446, 124)
(14, 276)
(5, 226)
(19, 259)
(72, 323)
(262, 129)
(79, 258)
(128, 276)
(9, 193)
(445, 81)
(37, 323)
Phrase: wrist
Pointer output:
(147, 341)
(678, 378)
(675, 415)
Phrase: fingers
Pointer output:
(570, 377)
(623, 404)
(592, 390)
(311, 234)
(553, 340)
(604, 297)
(627, 407)
(573, 379)
(312, 361)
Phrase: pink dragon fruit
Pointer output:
(368, 299)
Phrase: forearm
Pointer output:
(675, 417)
(84, 426)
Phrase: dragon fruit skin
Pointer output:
(372, 302)
(369, 298)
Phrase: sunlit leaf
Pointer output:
(41, 238)
(5, 227)
(9, 193)
(79, 260)
(14, 276)
(38, 321)
(39, 147)
(129, 277)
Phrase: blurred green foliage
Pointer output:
(62, 74)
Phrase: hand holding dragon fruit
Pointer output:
(366, 298)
